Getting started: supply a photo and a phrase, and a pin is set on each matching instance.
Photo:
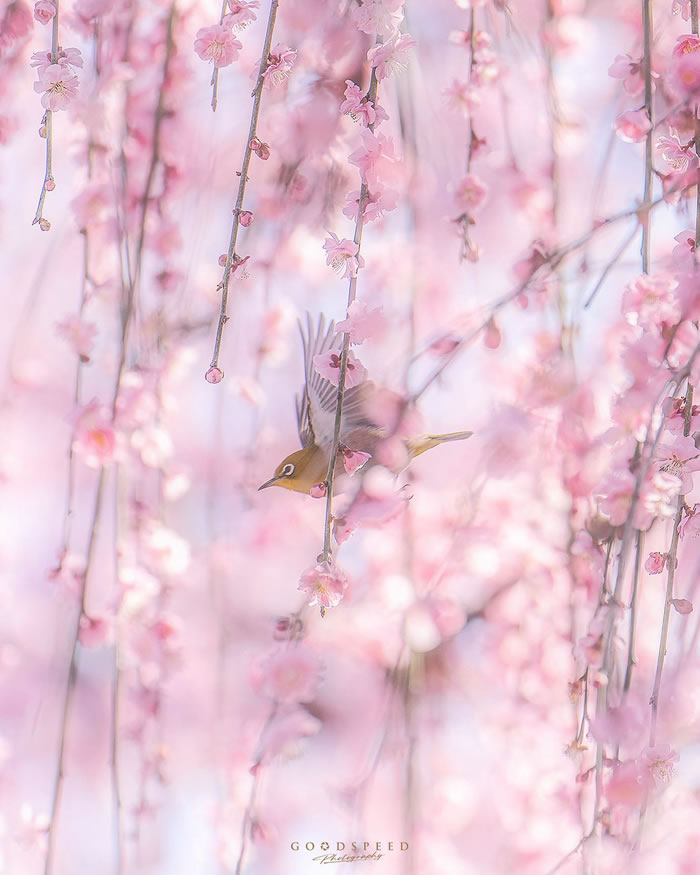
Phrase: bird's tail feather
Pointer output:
(424, 442)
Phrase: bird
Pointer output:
(316, 409)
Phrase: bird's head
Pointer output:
(300, 470)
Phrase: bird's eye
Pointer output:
(288, 470)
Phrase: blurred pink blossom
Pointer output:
(361, 323)
(289, 675)
(633, 125)
(391, 56)
(470, 194)
(79, 335)
(685, 74)
(658, 763)
(374, 157)
(626, 68)
(97, 442)
(382, 17)
(463, 96)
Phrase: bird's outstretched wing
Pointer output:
(316, 404)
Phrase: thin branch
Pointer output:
(648, 26)
(352, 293)
(242, 181)
(631, 659)
(215, 73)
(671, 566)
(47, 123)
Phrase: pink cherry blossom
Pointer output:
(378, 16)
(463, 96)
(241, 14)
(95, 630)
(44, 11)
(681, 7)
(633, 126)
(342, 255)
(80, 335)
(659, 496)
(374, 157)
(685, 74)
(96, 440)
(391, 56)
(283, 734)
(626, 68)
(381, 200)
(325, 584)
(626, 786)
(279, 66)
(650, 299)
(362, 323)
(655, 563)
(690, 524)
(71, 57)
(58, 86)
(359, 108)
(617, 490)
(353, 460)
(685, 247)
(289, 675)
(658, 762)
(681, 459)
(470, 194)
(218, 44)
(685, 44)
(673, 151)
(327, 364)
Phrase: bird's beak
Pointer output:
(270, 482)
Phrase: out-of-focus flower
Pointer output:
(682, 8)
(382, 17)
(95, 630)
(325, 584)
(327, 364)
(470, 194)
(391, 56)
(658, 763)
(342, 255)
(463, 96)
(58, 86)
(218, 44)
(78, 334)
(362, 323)
(685, 74)
(630, 71)
(289, 675)
(633, 126)
(97, 442)
(682, 252)
(686, 44)
(374, 157)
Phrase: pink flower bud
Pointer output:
(50, 185)
(222, 260)
(214, 375)
(43, 133)
(44, 224)
(683, 606)
(319, 490)
(655, 563)
(492, 338)
(44, 11)
(263, 152)
(255, 144)
(245, 217)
